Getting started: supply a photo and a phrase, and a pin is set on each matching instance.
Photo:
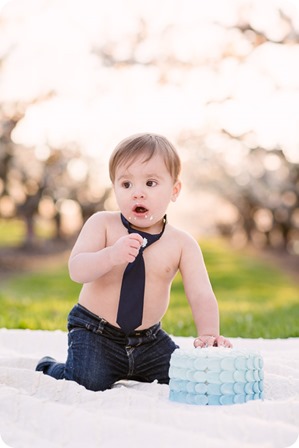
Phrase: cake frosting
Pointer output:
(215, 376)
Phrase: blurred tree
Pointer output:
(7, 204)
(46, 182)
(261, 185)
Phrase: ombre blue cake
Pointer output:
(215, 376)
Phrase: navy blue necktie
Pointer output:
(130, 308)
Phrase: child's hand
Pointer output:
(126, 249)
(212, 341)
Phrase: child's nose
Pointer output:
(138, 194)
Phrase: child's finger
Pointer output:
(220, 341)
(228, 344)
(198, 343)
(204, 341)
(136, 237)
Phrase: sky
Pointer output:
(50, 61)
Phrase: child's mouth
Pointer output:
(140, 210)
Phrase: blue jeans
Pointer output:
(100, 354)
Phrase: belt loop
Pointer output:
(101, 326)
(156, 328)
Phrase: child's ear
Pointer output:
(176, 190)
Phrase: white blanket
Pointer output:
(39, 411)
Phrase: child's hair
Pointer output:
(148, 145)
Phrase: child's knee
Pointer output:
(90, 380)
(95, 386)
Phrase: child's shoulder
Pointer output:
(103, 218)
(181, 235)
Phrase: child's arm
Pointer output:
(91, 259)
(200, 296)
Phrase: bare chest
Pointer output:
(161, 262)
(161, 258)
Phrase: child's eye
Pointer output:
(151, 183)
(127, 184)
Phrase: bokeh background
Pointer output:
(219, 78)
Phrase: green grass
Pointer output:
(13, 231)
(255, 299)
(38, 301)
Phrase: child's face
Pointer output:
(143, 190)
